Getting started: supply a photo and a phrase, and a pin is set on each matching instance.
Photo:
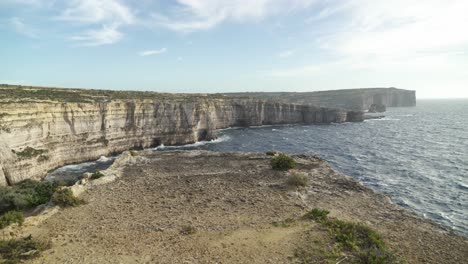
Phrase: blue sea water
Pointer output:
(417, 155)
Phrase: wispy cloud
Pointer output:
(97, 11)
(194, 15)
(153, 52)
(21, 28)
(108, 15)
(399, 27)
(105, 35)
(286, 54)
(387, 36)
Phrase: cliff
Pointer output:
(43, 128)
(354, 99)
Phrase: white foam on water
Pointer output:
(196, 144)
(103, 159)
(382, 119)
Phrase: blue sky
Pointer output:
(237, 45)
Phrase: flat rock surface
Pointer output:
(208, 207)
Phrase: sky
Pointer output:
(237, 45)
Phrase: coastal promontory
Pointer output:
(45, 128)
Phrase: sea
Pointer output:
(418, 156)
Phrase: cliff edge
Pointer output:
(45, 128)
(365, 99)
(209, 207)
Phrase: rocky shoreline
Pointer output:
(46, 128)
(209, 207)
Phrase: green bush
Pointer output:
(25, 195)
(282, 162)
(96, 175)
(362, 241)
(64, 197)
(271, 152)
(11, 217)
(316, 214)
(16, 250)
(29, 152)
(297, 179)
(134, 153)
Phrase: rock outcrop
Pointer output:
(42, 129)
(354, 99)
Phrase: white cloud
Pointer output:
(286, 54)
(401, 37)
(105, 35)
(205, 14)
(21, 28)
(97, 11)
(384, 28)
(108, 15)
(153, 52)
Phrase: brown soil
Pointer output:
(206, 207)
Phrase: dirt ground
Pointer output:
(207, 207)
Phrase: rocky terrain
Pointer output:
(45, 128)
(207, 207)
(373, 99)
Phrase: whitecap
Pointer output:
(196, 144)
(103, 159)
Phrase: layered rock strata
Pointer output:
(355, 99)
(38, 135)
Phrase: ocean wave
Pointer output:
(382, 119)
(104, 159)
(196, 144)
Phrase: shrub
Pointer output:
(285, 223)
(17, 250)
(66, 181)
(29, 152)
(134, 153)
(297, 179)
(188, 230)
(96, 175)
(25, 195)
(362, 241)
(318, 215)
(282, 162)
(11, 217)
(271, 153)
(64, 197)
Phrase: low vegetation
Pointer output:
(26, 195)
(11, 217)
(21, 93)
(134, 153)
(30, 152)
(288, 222)
(188, 230)
(17, 199)
(282, 162)
(65, 198)
(271, 153)
(357, 241)
(17, 250)
(297, 180)
(96, 175)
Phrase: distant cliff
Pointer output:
(42, 129)
(354, 99)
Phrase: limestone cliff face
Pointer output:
(36, 137)
(353, 99)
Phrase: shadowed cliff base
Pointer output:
(207, 207)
